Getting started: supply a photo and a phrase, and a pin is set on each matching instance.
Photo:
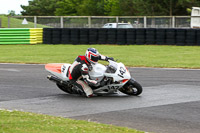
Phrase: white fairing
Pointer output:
(64, 69)
(97, 72)
(121, 71)
(119, 74)
(59, 70)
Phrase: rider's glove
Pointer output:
(109, 58)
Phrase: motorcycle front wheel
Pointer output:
(132, 88)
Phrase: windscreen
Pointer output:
(111, 69)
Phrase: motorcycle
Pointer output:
(114, 76)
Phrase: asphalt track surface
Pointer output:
(170, 102)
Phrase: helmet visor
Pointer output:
(94, 58)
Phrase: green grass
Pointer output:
(21, 122)
(130, 55)
(17, 23)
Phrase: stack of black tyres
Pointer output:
(84, 36)
(47, 36)
(102, 36)
(160, 36)
(111, 36)
(56, 36)
(140, 36)
(75, 35)
(93, 36)
(190, 37)
(198, 37)
(130, 36)
(121, 36)
(150, 36)
(180, 37)
(65, 37)
(170, 36)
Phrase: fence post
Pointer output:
(145, 22)
(61, 22)
(8, 21)
(89, 21)
(173, 22)
(117, 19)
(35, 21)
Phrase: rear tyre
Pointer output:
(132, 88)
(66, 89)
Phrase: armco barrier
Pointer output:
(21, 36)
(159, 36)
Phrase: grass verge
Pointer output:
(21, 122)
(130, 55)
(17, 23)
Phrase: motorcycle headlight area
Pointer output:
(111, 69)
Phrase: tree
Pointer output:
(91, 8)
(80, 7)
(109, 7)
(164, 7)
(40, 7)
(11, 13)
(112, 8)
(67, 7)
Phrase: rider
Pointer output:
(78, 72)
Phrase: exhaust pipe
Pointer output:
(56, 80)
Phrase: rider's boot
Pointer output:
(86, 89)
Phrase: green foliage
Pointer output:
(11, 13)
(40, 8)
(109, 7)
(91, 8)
(67, 7)
(120, 8)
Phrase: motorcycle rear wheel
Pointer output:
(132, 88)
(64, 88)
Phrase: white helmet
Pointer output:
(92, 55)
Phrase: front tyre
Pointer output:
(132, 88)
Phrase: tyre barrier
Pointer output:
(170, 36)
(102, 36)
(121, 36)
(180, 37)
(21, 36)
(150, 36)
(140, 36)
(93, 36)
(158, 36)
(130, 36)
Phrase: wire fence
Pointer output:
(98, 21)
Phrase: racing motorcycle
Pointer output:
(114, 76)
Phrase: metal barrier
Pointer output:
(98, 21)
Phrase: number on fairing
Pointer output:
(63, 69)
(122, 71)
(113, 87)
